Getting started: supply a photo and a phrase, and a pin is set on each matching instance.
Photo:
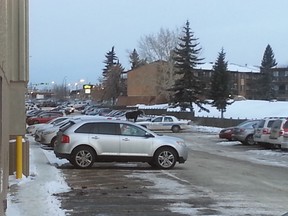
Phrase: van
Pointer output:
(279, 133)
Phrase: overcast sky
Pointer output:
(69, 38)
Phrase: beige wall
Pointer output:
(143, 81)
(13, 81)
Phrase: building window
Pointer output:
(275, 73)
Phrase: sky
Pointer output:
(33, 195)
(68, 39)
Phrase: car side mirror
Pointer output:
(148, 135)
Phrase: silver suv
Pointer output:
(89, 141)
(244, 132)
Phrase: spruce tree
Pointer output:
(134, 59)
(110, 61)
(266, 91)
(113, 84)
(187, 87)
(220, 84)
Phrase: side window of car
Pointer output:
(168, 119)
(131, 130)
(106, 128)
(159, 119)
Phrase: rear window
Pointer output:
(277, 124)
(285, 126)
(269, 125)
(261, 124)
(67, 125)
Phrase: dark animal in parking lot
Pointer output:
(133, 115)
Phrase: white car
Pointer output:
(166, 122)
(33, 128)
(47, 136)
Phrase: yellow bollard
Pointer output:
(19, 157)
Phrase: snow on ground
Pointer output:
(33, 195)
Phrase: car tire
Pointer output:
(175, 128)
(83, 157)
(165, 158)
(249, 140)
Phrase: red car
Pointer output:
(226, 133)
(43, 117)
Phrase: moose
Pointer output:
(133, 115)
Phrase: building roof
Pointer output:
(231, 67)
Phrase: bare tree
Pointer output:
(158, 46)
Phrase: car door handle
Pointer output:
(125, 139)
(95, 137)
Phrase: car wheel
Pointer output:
(175, 129)
(249, 140)
(165, 158)
(83, 157)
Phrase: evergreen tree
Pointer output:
(220, 84)
(187, 87)
(113, 84)
(266, 91)
(134, 60)
(111, 60)
(268, 60)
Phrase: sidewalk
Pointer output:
(33, 195)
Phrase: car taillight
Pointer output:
(65, 139)
(266, 131)
(281, 133)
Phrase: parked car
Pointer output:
(263, 130)
(48, 135)
(226, 133)
(244, 132)
(86, 142)
(279, 133)
(32, 128)
(32, 113)
(44, 117)
(166, 122)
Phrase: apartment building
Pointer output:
(143, 82)
(280, 82)
(13, 82)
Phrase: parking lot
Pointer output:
(219, 178)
